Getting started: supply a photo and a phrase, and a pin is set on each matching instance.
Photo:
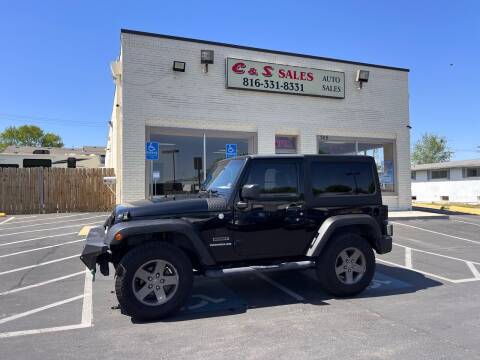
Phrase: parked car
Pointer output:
(253, 210)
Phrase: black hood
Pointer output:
(167, 206)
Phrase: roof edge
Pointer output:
(278, 52)
(454, 164)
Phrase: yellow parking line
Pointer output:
(84, 230)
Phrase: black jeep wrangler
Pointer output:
(252, 211)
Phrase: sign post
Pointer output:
(151, 154)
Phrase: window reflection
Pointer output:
(382, 152)
(180, 168)
(337, 147)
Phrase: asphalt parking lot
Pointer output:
(423, 302)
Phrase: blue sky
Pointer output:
(55, 55)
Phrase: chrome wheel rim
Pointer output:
(155, 282)
(350, 266)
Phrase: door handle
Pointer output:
(242, 205)
(295, 206)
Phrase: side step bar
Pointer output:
(299, 265)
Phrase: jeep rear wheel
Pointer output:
(153, 281)
(346, 266)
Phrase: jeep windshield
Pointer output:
(223, 177)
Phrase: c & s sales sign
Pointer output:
(262, 76)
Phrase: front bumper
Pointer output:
(95, 251)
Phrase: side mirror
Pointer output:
(250, 192)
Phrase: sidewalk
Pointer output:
(415, 215)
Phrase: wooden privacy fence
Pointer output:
(47, 190)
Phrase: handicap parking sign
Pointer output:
(151, 150)
(230, 150)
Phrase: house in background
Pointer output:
(452, 181)
(29, 156)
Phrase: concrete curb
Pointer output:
(448, 209)
(420, 217)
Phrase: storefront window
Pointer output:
(285, 144)
(383, 155)
(175, 171)
(382, 152)
(183, 155)
(216, 149)
(337, 147)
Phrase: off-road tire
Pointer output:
(327, 263)
(134, 259)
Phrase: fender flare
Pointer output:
(338, 221)
(127, 229)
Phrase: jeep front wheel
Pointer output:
(153, 281)
(346, 266)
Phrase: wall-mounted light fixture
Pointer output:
(179, 66)
(206, 57)
(362, 76)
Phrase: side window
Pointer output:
(345, 178)
(274, 178)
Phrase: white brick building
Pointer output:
(452, 181)
(195, 113)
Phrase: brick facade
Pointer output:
(154, 95)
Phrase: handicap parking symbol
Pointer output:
(151, 150)
(383, 282)
(204, 301)
(230, 150)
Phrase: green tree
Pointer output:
(52, 140)
(431, 148)
(28, 135)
